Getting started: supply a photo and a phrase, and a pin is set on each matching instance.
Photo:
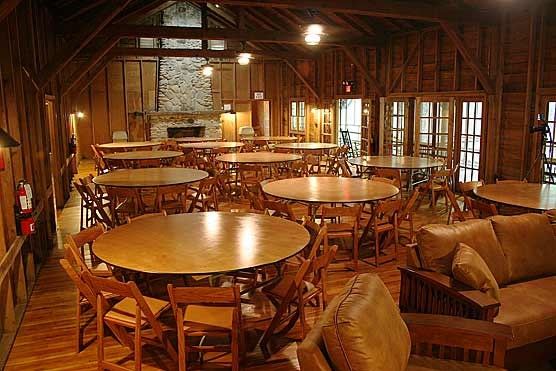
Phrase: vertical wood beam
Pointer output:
(469, 58)
(410, 56)
(363, 69)
(70, 51)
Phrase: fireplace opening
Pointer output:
(184, 132)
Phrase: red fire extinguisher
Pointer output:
(24, 202)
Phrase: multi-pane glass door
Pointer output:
(470, 141)
(549, 142)
(434, 129)
(349, 120)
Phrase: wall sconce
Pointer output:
(366, 109)
(79, 114)
(243, 58)
(6, 141)
(207, 70)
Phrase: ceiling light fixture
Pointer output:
(243, 58)
(313, 34)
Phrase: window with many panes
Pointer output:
(434, 129)
(398, 128)
(297, 116)
(550, 145)
(470, 141)
(349, 120)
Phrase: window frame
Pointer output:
(298, 103)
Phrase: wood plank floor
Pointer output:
(45, 340)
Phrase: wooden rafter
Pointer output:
(376, 8)
(92, 75)
(6, 7)
(469, 57)
(410, 56)
(192, 53)
(302, 79)
(146, 9)
(262, 36)
(84, 9)
(70, 51)
(363, 69)
(84, 68)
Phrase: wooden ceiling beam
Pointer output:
(62, 58)
(262, 36)
(6, 7)
(147, 9)
(469, 57)
(377, 8)
(363, 69)
(84, 9)
(302, 79)
(193, 53)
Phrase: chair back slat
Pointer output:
(86, 236)
(279, 209)
(82, 286)
(332, 212)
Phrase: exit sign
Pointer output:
(258, 95)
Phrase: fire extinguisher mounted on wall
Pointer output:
(24, 208)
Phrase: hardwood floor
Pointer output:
(45, 340)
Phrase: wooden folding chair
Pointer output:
(85, 300)
(250, 177)
(456, 214)
(205, 197)
(345, 224)
(312, 287)
(146, 216)
(279, 209)
(124, 202)
(207, 312)
(384, 220)
(77, 242)
(128, 319)
(393, 174)
(172, 199)
(411, 205)
(87, 207)
(318, 239)
(480, 209)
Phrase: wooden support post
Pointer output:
(363, 69)
(469, 58)
(70, 51)
(303, 80)
(410, 56)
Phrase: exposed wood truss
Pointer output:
(188, 53)
(82, 40)
(361, 67)
(398, 77)
(7, 6)
(302, 79)
(375, 8)
(469, 57)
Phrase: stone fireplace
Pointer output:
(164, 125)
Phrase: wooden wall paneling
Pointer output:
(134, 102)
(149, 84)
(257, 81)
(528, 117)
(85, 130)
(116, 95)
(242, 85)
(217, 86)
(100, 118)
(273, 84)
(227, 73)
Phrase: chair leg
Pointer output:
(137, 340)
(79, 335)
(182, 350)
(235, 350)
(355, 253)
(100, 336)
(301, 310)
(377, 248)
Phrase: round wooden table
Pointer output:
(211, 145)
(201, 243)
(258, 158)
(531, 196)
(309, 146)
(146, 178)
(271, 138)
(142, 155)
(396, 162)
(330, 190)
(128, 145)
(196, 139)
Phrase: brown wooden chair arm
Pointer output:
(485, 337)
(481, 306)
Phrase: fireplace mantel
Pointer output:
(159, 122)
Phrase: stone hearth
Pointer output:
(159, 122)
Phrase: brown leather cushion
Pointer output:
(529, 308)
(311, 353)
(529, 244)
(468, 267)
(437, 244)
(421, 363)
(363, 330)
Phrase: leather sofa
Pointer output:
(520, 252)
(363, 330)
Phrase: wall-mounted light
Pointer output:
(366, 109)
(79, 115)
(6, 141)
(207, 70)
(243, 58)
(313, 34)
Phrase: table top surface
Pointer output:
(196, 139)
(258, 157)
(125, 145)
(527, 195)
(307, 146)
(330, 189)
(201, 243)
(142, 155)
(396, 162)
(272, 138)
(152, 177)
(211, 145)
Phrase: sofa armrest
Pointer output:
(482, 337)
(413, 259)
(435, 293)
